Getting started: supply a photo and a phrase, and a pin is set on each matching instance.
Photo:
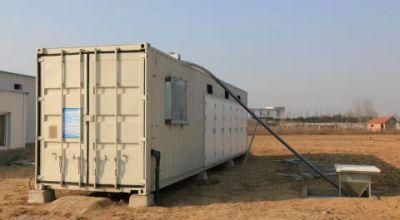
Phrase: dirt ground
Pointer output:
(254, 191)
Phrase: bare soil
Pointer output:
(254, 191)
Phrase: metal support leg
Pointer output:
(369, 189)
(250, 145)
(340, 184)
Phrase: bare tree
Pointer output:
(369, 109)
(363, 108)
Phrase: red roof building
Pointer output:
(382, 123)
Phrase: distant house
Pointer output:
(270, 112)
(383, 123)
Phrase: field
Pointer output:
(254, 191)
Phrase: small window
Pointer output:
(239, 97)
(209, 89)
(17, 87)
(226, 95)
(372, 126)
(175, 101)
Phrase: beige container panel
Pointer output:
(116, 152)
(52, 126)
(129, 154)
(209, 131)
(224, 115)
(227, 132)
(219, 125)
(73, 163)
(52, 101)
(62, 87)
(244, 129)
(51, 72)
(105, 164)
(233, 130)
(50, 161)
(237, 129)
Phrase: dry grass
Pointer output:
(254, 191)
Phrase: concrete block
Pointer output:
(201, 177)
(41, 196)
(230, 163)
(139, 201)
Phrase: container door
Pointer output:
(62, 105)
(116, 128)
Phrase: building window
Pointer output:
(240, 98)
(226, 95)
(175, 101)
(17, 87)
(372, 126)
(209, 89)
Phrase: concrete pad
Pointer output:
(139, 201)
(77, 205)
(319, 192)
(41, 196)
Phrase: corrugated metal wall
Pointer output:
(183, 146)
(225, 130)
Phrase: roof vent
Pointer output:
(175, 55)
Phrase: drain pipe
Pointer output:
(157, 155)
(283, 142)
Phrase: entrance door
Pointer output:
(116, 110)
(92, 118)
(2, 130)
(62, 107)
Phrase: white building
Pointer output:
(270, 112)
(17, 110)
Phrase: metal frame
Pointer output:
(353, 175)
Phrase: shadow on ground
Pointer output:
(258, 181)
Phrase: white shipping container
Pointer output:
(101, 110)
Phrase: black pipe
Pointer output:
(222, 84)
(157, 155)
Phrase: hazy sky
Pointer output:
(307, 55)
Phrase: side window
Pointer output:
(209, 89)
(226, 95)
(17, 87)
(175, 101)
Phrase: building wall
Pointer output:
(391, 125)
(374, 127)
(182, 147)
(7, 81)
(14, 105)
